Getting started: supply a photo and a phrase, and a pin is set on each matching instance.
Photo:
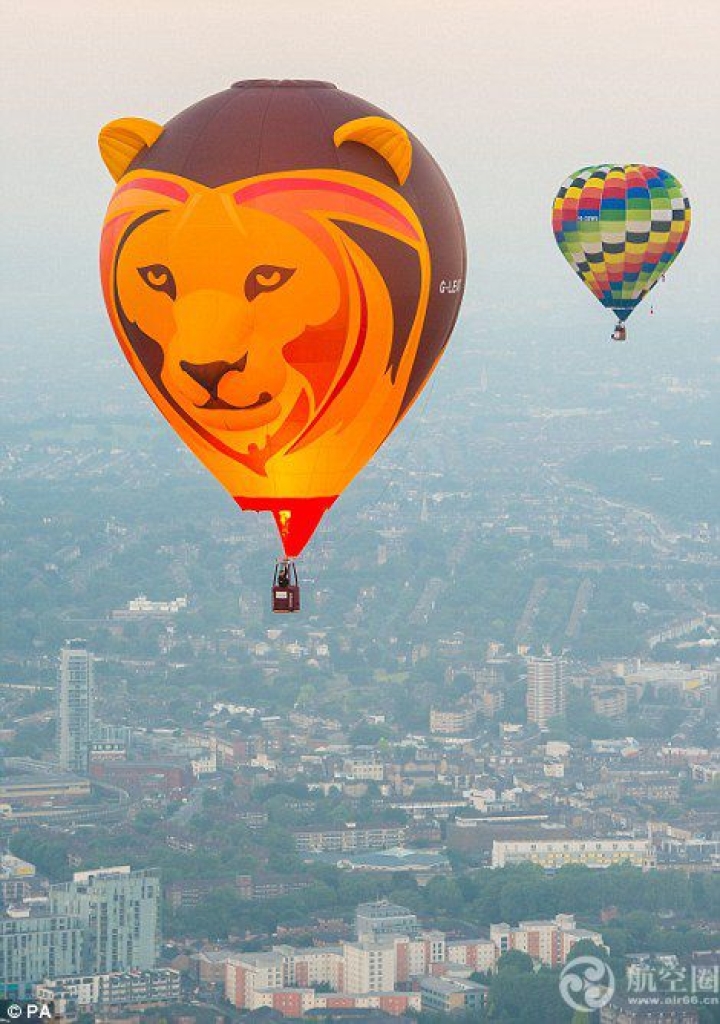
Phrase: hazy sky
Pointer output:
(510, 96)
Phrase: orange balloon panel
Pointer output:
(277, 320)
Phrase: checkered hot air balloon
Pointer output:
(620, 228)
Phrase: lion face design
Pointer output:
(258, 312)
(225, 292)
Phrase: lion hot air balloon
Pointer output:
(282, 264)
(620, 228)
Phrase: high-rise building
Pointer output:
(74, 706)
(545, 689)
(36, 945)
(102, 922)
(370, 966)
(120, 911)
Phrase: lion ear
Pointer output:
(120, 142)
(386, 137)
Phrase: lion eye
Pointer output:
(266, 278)
(159, 278)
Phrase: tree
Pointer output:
(444, 896)
(522, 997)
(515, 960)
(586, 947)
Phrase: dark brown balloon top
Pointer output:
(266, 126)
(282, 83)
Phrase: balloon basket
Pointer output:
(285, 588)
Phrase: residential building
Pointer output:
(452, 722)
(688, 854)
(313, 966)
(478, 954)
(390, 953)
(211, 965)
(75, 690)
(290, 1002)
(709, 774)
(304, 1002)
(141, 607)
(120, 912)
(382, 918)
(101, 991)
(15, 875)
(109, 742)
(594, 853)
(13, 890)
(348, 838)
(452, 995)
(424, 810)
(364, 769)
(353, 970)
(609, 702)
(490, 702)
(370, 966)
(621, 1011)
(34, 945)
(391, 961)
(547, 942)
(14, 867)
(271, 886)
(189, 892)
(248, 973)
(415, 957)
(545, 689)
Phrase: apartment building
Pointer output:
(348, 838)
(548, 942)
(594, 853)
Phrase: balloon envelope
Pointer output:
(283, 264)
(620, 228)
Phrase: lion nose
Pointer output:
(209, 375)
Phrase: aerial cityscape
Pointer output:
(476, 778)
(247, 784)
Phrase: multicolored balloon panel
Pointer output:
(282, 264)
(620, 228)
